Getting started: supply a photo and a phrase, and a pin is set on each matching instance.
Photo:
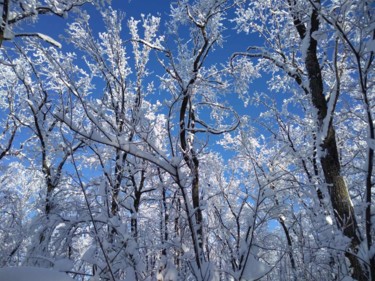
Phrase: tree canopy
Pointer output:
(216, 140)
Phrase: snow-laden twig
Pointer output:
(127, 147)
(42, 36)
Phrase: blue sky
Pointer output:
(55, 26)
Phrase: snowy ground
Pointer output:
(32, 274)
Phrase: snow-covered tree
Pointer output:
(126, 154)
(323, 49)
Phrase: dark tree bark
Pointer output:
(329, 158)
(4, 20)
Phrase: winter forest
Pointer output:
(204, 140)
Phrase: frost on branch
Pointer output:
(127, 156)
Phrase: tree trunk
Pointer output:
(4, 20)
(329, 158)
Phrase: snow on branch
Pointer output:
(42, 36)
(125, 146)
(150, 45)
(290, 70)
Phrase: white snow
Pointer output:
(63, 264)
(25, 273)
(42, 36)
(128, 147)
(329, 220)
(254, 269)
(49, 40)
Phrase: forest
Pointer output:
(206, 140)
